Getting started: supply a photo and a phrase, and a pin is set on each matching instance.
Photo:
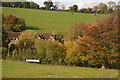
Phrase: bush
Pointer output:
(50, 52)
(55, 53)
(73, 57)
(4, 52)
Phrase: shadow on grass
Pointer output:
(33, 28)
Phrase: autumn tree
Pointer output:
(13, 23)
(74, 31)
(95, 8)
(10, 23)
(99, 41)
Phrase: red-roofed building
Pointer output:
(46, 36)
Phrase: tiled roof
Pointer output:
(13, 34)
(41, 35)
(45, 35)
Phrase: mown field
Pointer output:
(49, 21)
(26, 70)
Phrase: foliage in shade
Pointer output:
(27, 4)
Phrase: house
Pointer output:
(50, 36)
(46, 36)
(13, 36)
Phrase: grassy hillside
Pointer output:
(25, 70)
(49, 21)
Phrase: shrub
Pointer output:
(4, 52)
(55, 53)
(40, 46)
(50, 52)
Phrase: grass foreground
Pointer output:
(12, 69)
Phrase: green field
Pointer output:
(49, 21)
(25, 70)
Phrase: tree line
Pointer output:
(100, 8)
(30, 4)
(49, 5)
(89, 45)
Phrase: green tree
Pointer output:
(75, 8)
(40, 46)
(89, 10)
(48, 4)
(71, 8)
(24, 4)
(26, 40)
(111, 5)
(103, 7)
(26, 45)
(4, 34)
(4, 52)
(83, 10)
(55, 53)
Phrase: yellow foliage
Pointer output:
(70, 48)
